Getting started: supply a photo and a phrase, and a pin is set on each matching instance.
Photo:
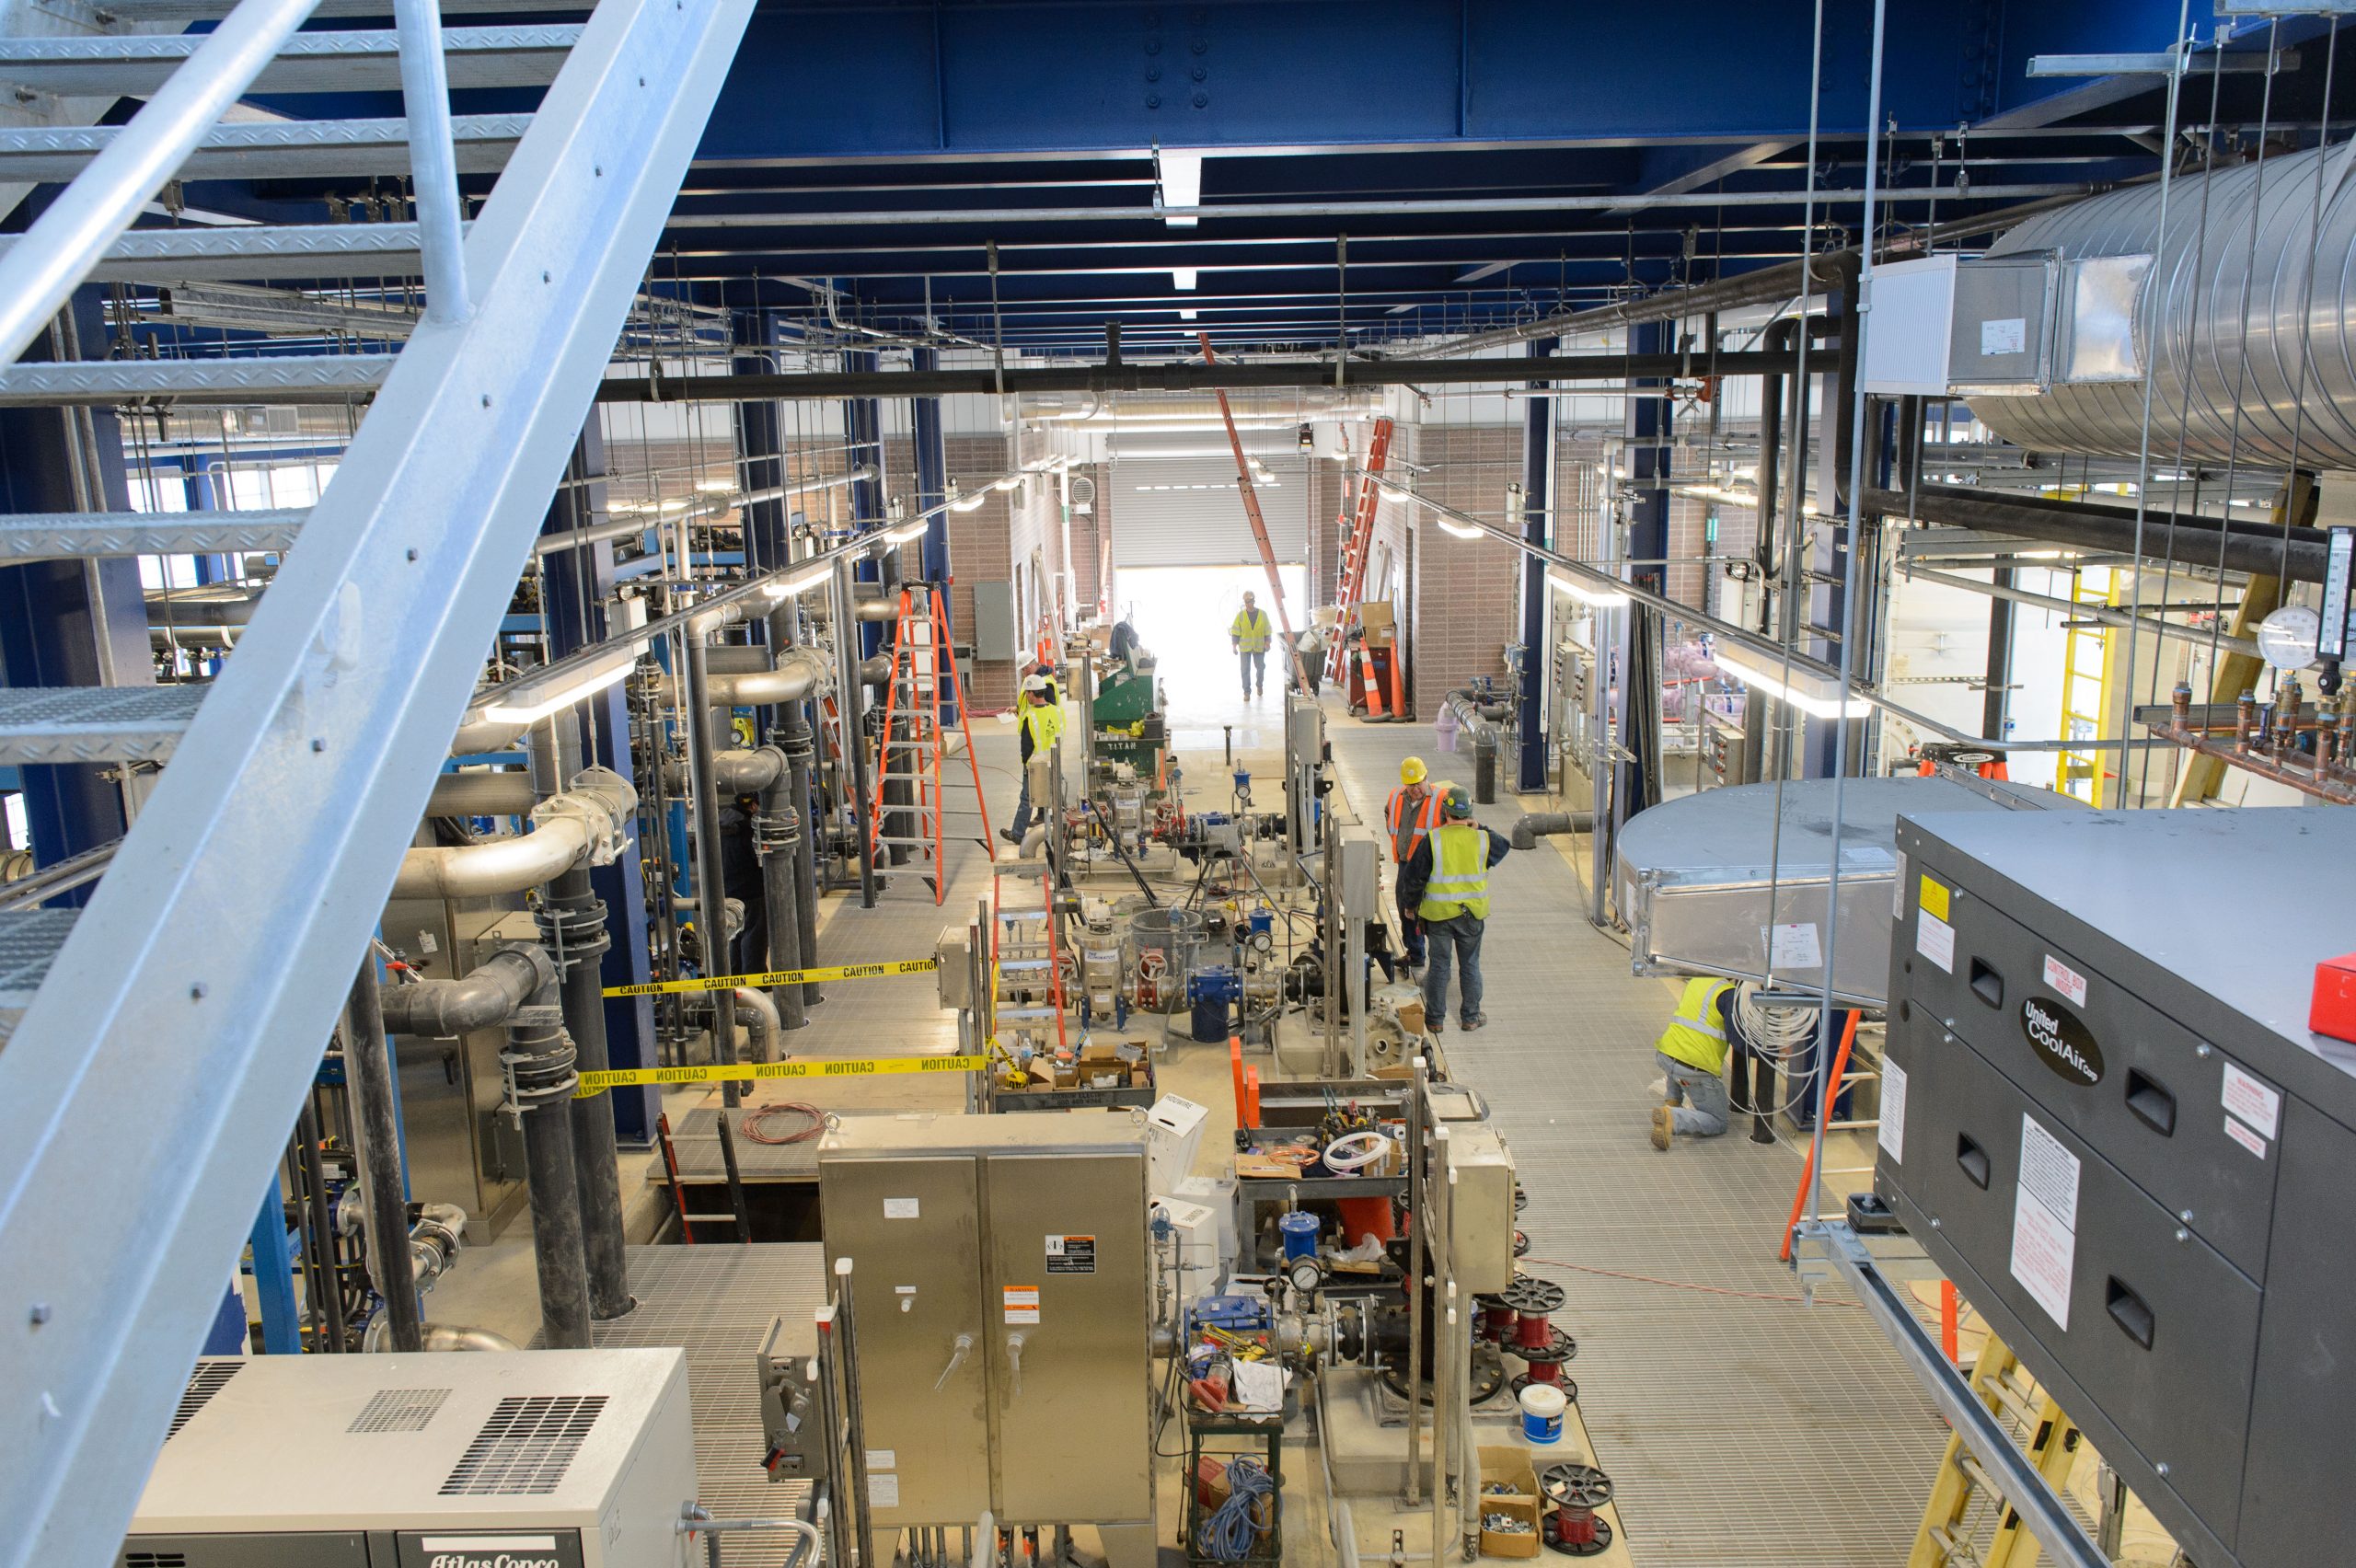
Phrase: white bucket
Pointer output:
(1542, 1413)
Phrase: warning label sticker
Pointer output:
(1934, 939)
(2045, 1220)
(2253, 1101)
(1071, 1254)
(1890, 1132)
(2067, 983)
(2244, 1137)
(1022, 1303)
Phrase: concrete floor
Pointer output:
(1740, 1426)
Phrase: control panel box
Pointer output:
(2105, 1117)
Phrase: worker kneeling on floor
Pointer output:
(1692, 1052)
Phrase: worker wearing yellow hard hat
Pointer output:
(1413, 811)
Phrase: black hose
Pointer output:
(1115, 840)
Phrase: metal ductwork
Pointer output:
(2238, 394)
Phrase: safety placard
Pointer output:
(2067, 983)
(2045, 1220)
(1071, 1254)
(869, 1066)
(1022, 1303)
(771, 977)
(1935, 897)
(1890, 1130)
(2253, 1101)
(1934, 939)
(1793, 946)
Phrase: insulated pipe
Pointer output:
(596, 809)
(2249, 345)
(1531, 826)
(485, 736)
(484, 998)
(798, 672)
(505, 793)
(368, 1082)
(540, 1058)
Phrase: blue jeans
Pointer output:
(1256, 669)
(1022, 807)
(1456, 939)
(1700, 1097)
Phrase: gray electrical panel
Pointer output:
(2105, 1117)
(993, 620)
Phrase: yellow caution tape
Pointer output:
(871, 1066)
(780, 977)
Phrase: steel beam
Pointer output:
(1227, 376)
(276, 832)
(295, 250)
(69, 724)
(304, 378)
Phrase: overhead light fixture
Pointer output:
(1189, 315)
(1182, 184)
(1601, 598)
(715, 487)
(1808, 691)
(1006, 481)
(969, 502)
(1448, 526)
(1183, 277)
(802, 581)
(534, 697)
(902, 535)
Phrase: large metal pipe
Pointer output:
(777, 839)
(710, 868)
(572, 927)
(484, 998)
(503, 792)
(368, 1081)
(2245, 319)
(1531, 826)
(2248, 545)
(596, 809)
(801, 753)
(540, 1058)
(764, 1026)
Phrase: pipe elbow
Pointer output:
(1533, 826)
(766, 1026)
(484, 998)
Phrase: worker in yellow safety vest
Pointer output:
(1448, 878)
(1249, 632)
(1041, 718)
(1692, 1052)
(1414, 811)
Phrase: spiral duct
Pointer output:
(2297, 281)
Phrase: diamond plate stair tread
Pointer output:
(42, 724)
(1739, 1432)
(37, 533)
(717, 1303)
(347, 61)
(275, 149)
(277, 378)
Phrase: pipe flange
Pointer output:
(779, 829)
(574, 933)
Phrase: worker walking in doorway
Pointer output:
(1413, 811)
(1692, 1052)
(1447, 877)
(1041, 718)
(1249, 632)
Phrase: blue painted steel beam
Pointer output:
(909, 79)
(932, 489)
(579, 582)
(1536, 491)
(1651, 427)
(273, 1266)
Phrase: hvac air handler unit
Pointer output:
(1002, 1319)
(2105, 1117)
(550, 1458)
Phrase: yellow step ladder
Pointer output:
(1967, 1523)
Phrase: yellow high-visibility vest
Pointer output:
(1044, 723)
(1693, 1036)
(1459, 882)
(1250, 628)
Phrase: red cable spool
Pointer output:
(1573, 1492)
(1496, 1318)
(1532, 1300)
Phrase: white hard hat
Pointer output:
(1035, 683)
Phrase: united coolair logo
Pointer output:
(2061, 1041)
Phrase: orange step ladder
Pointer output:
(924, 670)
(1358, 545)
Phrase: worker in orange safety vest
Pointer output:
(1414, 811)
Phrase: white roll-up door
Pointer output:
(1189, 512)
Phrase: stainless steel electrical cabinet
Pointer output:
(1001, 1278)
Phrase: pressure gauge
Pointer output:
(2286, 639)
(1305, 1274)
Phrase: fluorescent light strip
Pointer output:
(524, 706)
(1739, 662)
(1182, 184)
(1601, 598)
(1448, 526)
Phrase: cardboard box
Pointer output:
(1510, 1467)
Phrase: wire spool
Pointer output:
(1496, 1318)
(756, 1123)
(1549, 1353)
(1532, 1300)
(1572, 1493)
(1353, 1152)
(1553, 1377)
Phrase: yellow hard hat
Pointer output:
(1412, 771)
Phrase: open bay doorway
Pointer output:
(1182, 613)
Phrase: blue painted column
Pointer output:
(1651, 424)
(66, 623)
(932, 489)
(864, 432)
(282, 1322)
(1537, 506)
(578, 582)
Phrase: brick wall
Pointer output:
(1466, 597)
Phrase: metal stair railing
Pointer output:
(214, 955)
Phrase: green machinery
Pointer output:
(1126, 715)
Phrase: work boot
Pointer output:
(1663, 1127)
(1474, 1023)
(1009, 836)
